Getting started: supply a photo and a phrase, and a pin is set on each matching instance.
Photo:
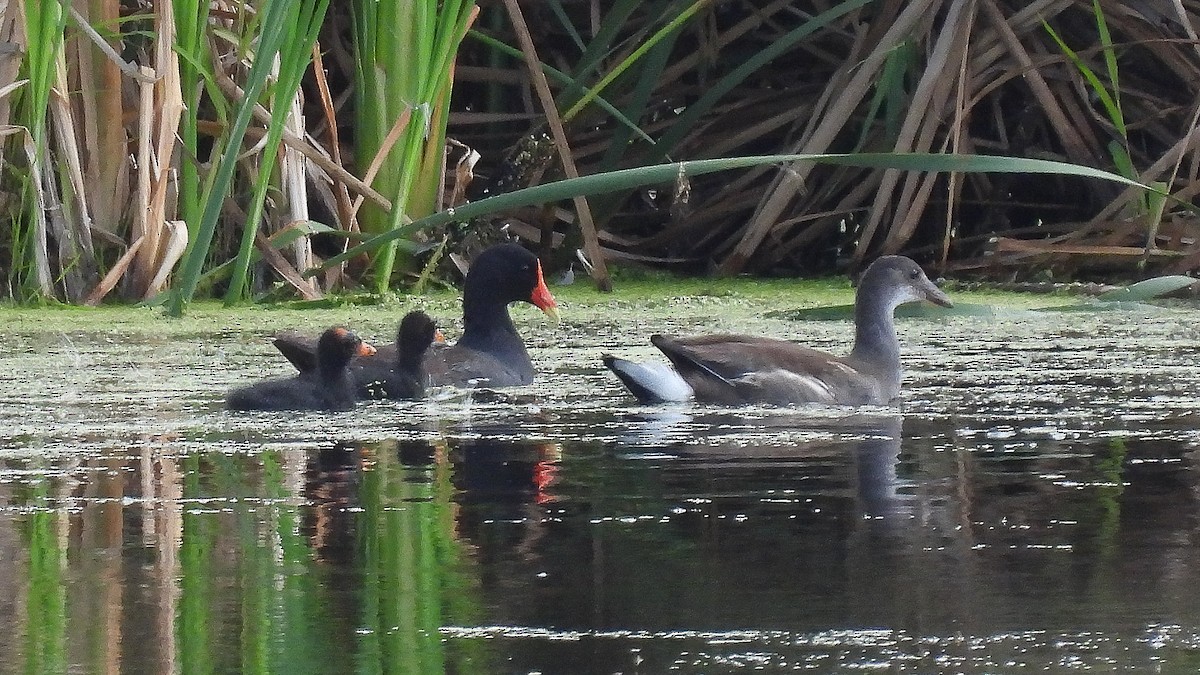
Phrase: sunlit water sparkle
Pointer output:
(1033, 504)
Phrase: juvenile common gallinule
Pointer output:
(739, 369)
(405, 377)
(328, 386)
(490, 352)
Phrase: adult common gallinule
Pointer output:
(327, 386)
(739, 369)
(490, 352)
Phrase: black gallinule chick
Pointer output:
(740, 369)
(490, 352)
(328, 386)
(405, 377)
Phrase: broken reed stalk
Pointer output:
(590, 242)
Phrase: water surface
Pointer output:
(1031, 505)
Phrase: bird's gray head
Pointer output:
(900, 280)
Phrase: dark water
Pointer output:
(1033, 505)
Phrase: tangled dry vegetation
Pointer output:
(1022, 79)
(117, 192)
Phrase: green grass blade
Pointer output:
(1121, 159)
(405, 55)
(1110, 55)
(569, 83)
(45, 23)
(191, 19)
(639, 98)
(1110, 104)
(890, 94)
(602, 43)
(296, 34)
(662, 173)
(222, 177)
(690, 117)
(557, 9)
(624, 65)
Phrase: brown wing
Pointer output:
(744, 368)
(443, 365)
(301, 351)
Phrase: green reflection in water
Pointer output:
(196, 579)
(1110, 465)
(415, 574)
(45, 620)
(257, 597)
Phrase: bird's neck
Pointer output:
(487, 327)
(875, 340)
(410, 360)
(336, 385)
(332, 370)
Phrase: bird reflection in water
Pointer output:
(507, 476)
(823, 455)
